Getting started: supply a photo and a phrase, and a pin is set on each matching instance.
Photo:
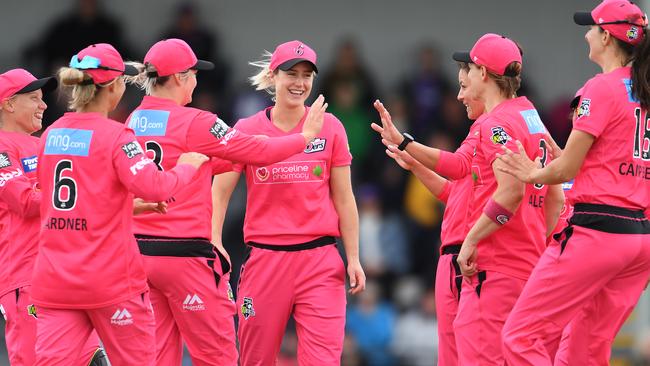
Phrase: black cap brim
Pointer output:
(285, 66)
(462, 57)
(583, 18)
(45, 84)
(130, 70)
(203, 65)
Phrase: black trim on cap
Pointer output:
(203, 65)
(130, 70)
(462, 57)
(285, 66)
(583, 18)
(45, 84)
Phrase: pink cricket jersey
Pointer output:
(18, 162)
(167, 130)
(616, 170)
(4, 268)
(88, 257)
(515, 247)
(289, 202)
(457, 166)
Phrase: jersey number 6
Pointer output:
(62, 184)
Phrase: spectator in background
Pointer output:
(425, 90)
(425, 212)
(371, 322)
(416, 333)
(349, 68)
(383, 244)
(454, 122)
(211, 95)
(558, 120)
(346, 106)
(83, 25)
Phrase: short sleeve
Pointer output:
(494, 135)
(341, 155)
(595, 108)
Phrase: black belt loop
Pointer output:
(481, 278)
(320, 242)
(217, 277)
(567, 232)
(457, 275)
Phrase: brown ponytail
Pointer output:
(641, 72)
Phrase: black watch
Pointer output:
(407, 140)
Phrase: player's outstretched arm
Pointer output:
(436, 184)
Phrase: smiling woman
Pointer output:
(295, 210)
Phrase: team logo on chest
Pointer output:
(316, 145)
(247, 309)
(4, 160)
(585, 107)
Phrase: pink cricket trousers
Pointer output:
(448, 286)
(126, 330)
(192, 301)
(310, 284)
(595, 275)
(20, 330)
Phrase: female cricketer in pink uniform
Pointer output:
(496, 256)
(88, 272)
(188, 276)
(456, 194)
(21, 114)
(603, 261)
(295, 209)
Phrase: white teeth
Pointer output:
(296, 92)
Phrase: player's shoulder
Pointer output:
(253, 122)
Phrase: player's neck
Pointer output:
(493, 99)
(287, 118)
(170, 94)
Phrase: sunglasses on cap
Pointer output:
(89, 63)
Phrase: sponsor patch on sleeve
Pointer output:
(500, 136)
(584, 108)
(132, 149)
(29, 164)
(4, 160)
(219, 129)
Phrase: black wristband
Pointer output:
(407, 140)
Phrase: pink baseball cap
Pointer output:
(174, 55)
(102, 62)
(289, 54)
(20, 81)
(493, 51)
(622, 18)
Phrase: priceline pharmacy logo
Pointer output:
(290, 172)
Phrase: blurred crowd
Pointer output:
(394, 321)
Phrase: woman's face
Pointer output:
(473, 107)
(293, 87)
(594, 38)
(474, 83)
(28, 111)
